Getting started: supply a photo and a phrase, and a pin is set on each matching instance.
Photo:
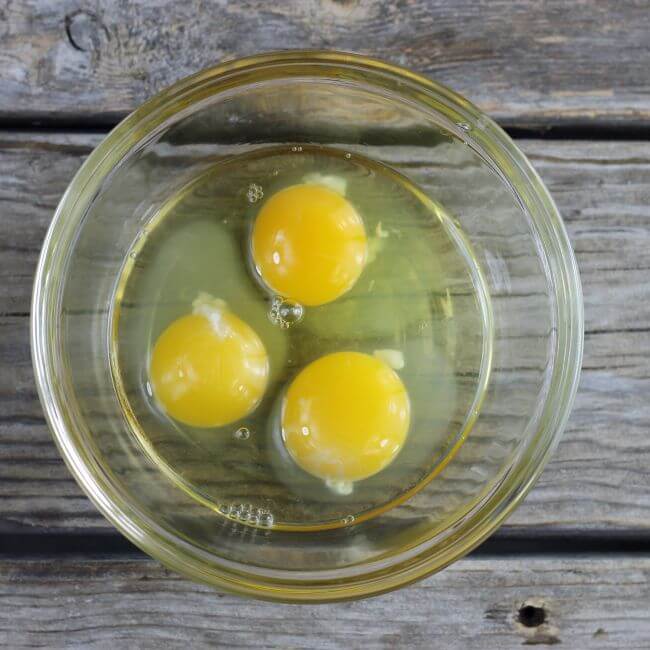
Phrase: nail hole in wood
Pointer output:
(531, 616)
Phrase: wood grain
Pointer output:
(597, 479)
(524, 62)
(500, 602)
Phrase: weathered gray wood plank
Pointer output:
(600, 473)
(479, 603)
(524, 62)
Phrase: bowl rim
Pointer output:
(183, 557)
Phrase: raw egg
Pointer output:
(345, 417)
(309, 244)
(209, 368)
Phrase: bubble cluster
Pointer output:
(285, 313)
(254, 193)
(248, 514)
(348, 520)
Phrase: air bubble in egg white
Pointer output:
(266, 520)
(464, 126)
(243, 433)
(348, 520)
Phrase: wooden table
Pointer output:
(571, 82)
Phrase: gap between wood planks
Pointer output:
(108, 544)
(561, 130)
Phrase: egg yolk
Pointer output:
(309, 244)
(345, 416)
(209, 368)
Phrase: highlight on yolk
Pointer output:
(345, 416)
(209, 368)
(309, 244)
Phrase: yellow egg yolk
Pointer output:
(309, 244)
(345, 416)
(209, 368)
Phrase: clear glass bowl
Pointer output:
(455, 154)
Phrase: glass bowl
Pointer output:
(531, 338)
